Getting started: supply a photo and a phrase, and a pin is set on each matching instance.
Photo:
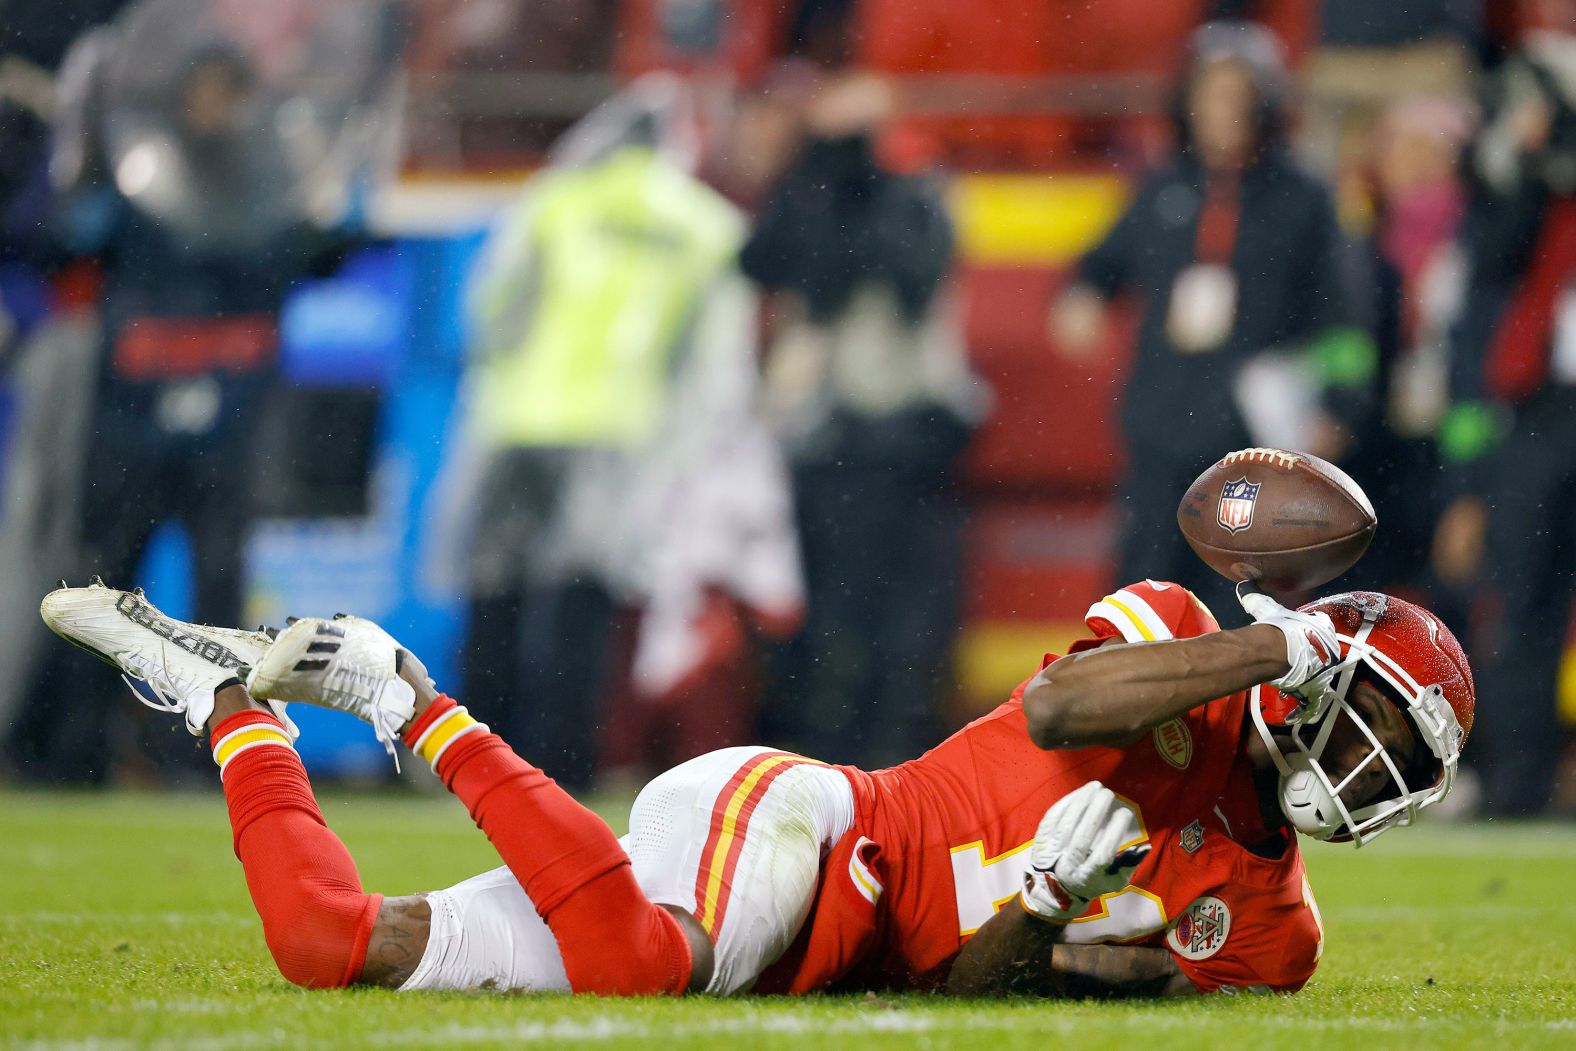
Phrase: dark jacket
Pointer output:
(151, 271)
(1181, 406)
(836, 219)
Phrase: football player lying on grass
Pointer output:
(1124, 825)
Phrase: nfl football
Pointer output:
(1287, 520)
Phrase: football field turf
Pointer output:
(124, 923)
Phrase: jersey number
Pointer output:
(984, 885)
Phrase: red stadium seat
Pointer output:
(1054, 428)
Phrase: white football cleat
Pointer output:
(347, 663)
(178, 664)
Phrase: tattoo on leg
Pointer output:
(399, 938)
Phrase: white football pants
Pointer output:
(735, 837)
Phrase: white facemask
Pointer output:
(1310, 798)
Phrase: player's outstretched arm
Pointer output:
(1115, 694)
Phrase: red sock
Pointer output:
(613, 940)
(316, 920)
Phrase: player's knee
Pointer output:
(299, 968)
(314, 939)
(654, 956)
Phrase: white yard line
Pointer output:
(612, 1030)
(1453, 913)
(112, 918)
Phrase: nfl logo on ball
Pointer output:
(1236, 505)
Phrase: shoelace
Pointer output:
(386, 737)
(166, 703)
(364, 690)
(170, 704)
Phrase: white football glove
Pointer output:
(1077, 854)
(1312, 649)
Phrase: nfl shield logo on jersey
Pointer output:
(1235, 512)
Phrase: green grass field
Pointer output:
(124, 922)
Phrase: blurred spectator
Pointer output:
(46, 366)
(611, 457)
(30, 51)
(764, 132)
(1514, 378)
(1405, 203)
(1370, 55)
(200, 235)
(1233, 254)
(868, 381)
(33, 41)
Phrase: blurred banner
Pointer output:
(232, 120)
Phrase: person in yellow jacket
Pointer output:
(612, 386)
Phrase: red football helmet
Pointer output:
(1402, 647)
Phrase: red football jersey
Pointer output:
(942, 842)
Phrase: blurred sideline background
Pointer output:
(1032, 123)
